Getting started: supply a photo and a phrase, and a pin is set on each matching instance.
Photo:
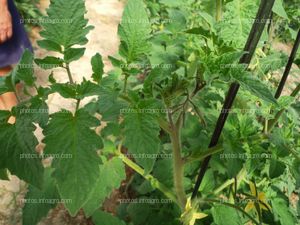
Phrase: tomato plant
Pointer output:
(169, 105)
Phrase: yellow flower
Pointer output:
(161, 27)
(190, 215)
(259, 198)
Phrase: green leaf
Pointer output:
(67, 26)
(49, 45)
(272, 62)
(51, 78)
(276, 168)
(295, 170)
(39, 202)
(116, 62)
(112, 173)
(134, 30)
(141, 136)
(237, 19)
(109, 105)
(200, 31)
(279, 9)
(172, 3)
(208, 183)
(232, 152)
(73, 54)
(17, 150)
(178, 21)
(6, 84)
(87, 89)
(24, 69)
(104, 218)
(224, 215)
(255, 87)
(65, 90)
(49, 62)
(282, 212)
(97, 66)
(79, 91)
(280, 142)
(4, 116)
(162, 170)
(78, 171)
(39, 111)
(3, 174)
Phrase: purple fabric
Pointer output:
(12, 50)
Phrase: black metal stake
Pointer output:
(288, 66)
(263, 14)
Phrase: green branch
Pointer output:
(153, 181)
(69, 73)
(178, 164)
(219, 10)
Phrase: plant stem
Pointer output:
(178, 164)
(164, 125)
(125, 83)
(77, 104)
(69, 73)
(218, 148)
(199, 157)
(154, 182)
(219, 10)
(296, 91)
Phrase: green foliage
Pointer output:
(226, 216)
(39, 202)
(141, 135)
(98, 67)
(70, 28)
(282, 212)
(112, 173)
(18, 153)
(237, 21)
(71, 135)
(134, 31)
(29, 12)
(103, 218)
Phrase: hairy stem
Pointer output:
(178, 164)
(154, 182)
(204, 154)
(125, 83)
(69, 73)
(296, 91)
(219, 10)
